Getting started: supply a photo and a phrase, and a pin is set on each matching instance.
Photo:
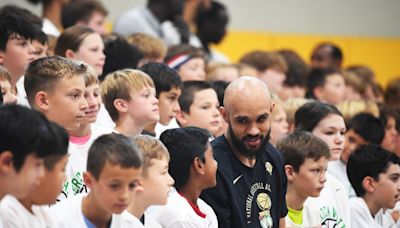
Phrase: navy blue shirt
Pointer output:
(244, 196)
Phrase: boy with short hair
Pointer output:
(199, 106)
(374, 174)
(113, 173)
(130, 98)
(168, 89)
(156, 180)
(326, 85)
(193, 168)
(55, 86)
(16, 50)
(306, 160)
(24, 140)
(32, 210)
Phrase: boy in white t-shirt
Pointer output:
(82, 138)
(156, 180)
(306, 160)
(374, 174)
(32, 211)
(130, 98)
(193, 168)
(113, 173)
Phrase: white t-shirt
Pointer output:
(159, 128)
(179, 213)
(68, 213)
(77, 161)
(21, 96)
(360, 214)
(149, 221)
(50, 28)
(338, 169)
(333, 203)
(311, 218)
(104, 118)
(14, 214)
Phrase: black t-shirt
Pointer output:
(244, 196)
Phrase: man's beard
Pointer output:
(240, 146)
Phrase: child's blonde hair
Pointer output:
(351, 108)
(4, 74)
(119, 84)
(151, 47)
(151, 149)
(213, 70)
(43, 74)
(91, 76)
(291, 106)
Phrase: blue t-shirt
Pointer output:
(244, 196)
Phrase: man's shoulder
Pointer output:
(220, 147)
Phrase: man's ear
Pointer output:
(42, 100)
(368, 183)
(290, 173)
(120, 105)
(224, 114)
(6, 162)
(273, 104)
(198, 166)
(70, 54)
(181, 117)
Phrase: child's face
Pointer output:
(204, 111)
(93, 98)
(194, 69)
(66, 103)
(97, 23)
(279, 127)
(169, 105)
(157, 183)
(39, 50)
(211, 166)
(51, 184)
(16, 56)
(334, 89)
(91, 52)
(352, 141)
(6, 91)
(310, 179)
(115, 187)
(148, 103)
(331, 130)
(389, 141)
(26, 180)
(227, 74)
(273, 78)
(387, 188)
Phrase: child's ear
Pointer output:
(272, 107)
(120, 105)
(41, 100)
(198, 166)
(6, 162)
(224, 114)
(89, 179)
(319, 92)
(70, 54)
(181, 118)
(1, 57)
(368, 183)
(290, 172)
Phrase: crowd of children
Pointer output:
(148, 126)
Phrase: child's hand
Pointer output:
(395, 215)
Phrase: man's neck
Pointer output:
(92, 211)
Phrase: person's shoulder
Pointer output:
(68, 208)
(274, 154)
(220, 147)
(125, 219)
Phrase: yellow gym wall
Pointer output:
(382, 55)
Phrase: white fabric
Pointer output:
(149, 221)
(14, 214)
(338, 169)
(49, 28)
(142, 20)
(333, 202)
(68, 213)
(77, 161)
(104, 119)
(21, 96)
(384, 218)
(310, 219)
(159, 128)
(178, 213)
(360, 214)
